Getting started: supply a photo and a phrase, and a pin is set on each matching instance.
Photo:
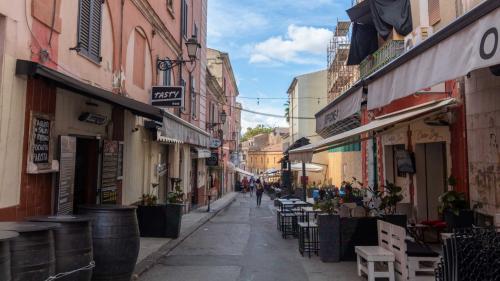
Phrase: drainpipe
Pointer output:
(120, 50)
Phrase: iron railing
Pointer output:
(385, 54)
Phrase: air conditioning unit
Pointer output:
(416, 37)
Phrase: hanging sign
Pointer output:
(167, 96)
(213, 161)
(215, 143)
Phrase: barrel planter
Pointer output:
(32, 252)
(174, 218)
(73, 245)
(5, 236)
(115, 237)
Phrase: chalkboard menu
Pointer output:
(66, 178)
(111, 153)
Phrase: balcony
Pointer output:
(384, 55)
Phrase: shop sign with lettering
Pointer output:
(167, 96)
(40, 148)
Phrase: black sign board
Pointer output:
(66, 179)
(167, 96)
(41, 140)
(110, 156)
(213, 160)
(404, 161)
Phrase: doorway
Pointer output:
(430, 161)
(194, 183)
(86, 172)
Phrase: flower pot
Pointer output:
(329, 238)
(463, 220)
(173, 221)
(152, 220)
(396, 219)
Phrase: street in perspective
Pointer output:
(249, 140)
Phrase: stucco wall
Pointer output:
(343, 166)
(483, 133)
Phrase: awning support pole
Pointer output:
(304, 183)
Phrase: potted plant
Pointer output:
(151, 217)
(391, 196)
(329, 229)
(174, 206)
(453, 207)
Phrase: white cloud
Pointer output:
(302, 45)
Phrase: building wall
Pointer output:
(483, 135)
(343, 166)
(260, 161)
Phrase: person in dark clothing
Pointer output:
(259, 192)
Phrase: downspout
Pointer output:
(120, 50)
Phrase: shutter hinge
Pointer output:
(100, 59)
(77, 48)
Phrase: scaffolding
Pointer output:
(340, 75)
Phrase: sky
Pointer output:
(269, 43)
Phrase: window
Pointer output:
(183, 84)
(434, 12)
(184, 18)
(192, 83)
(89, 29)
(195, 30)
(167, 77)
(139, 59)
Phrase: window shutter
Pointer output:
(434, 12)
(89, 29)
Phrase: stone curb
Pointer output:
(151, 260)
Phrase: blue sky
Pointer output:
(270, 42)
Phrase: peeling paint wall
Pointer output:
(483, 131)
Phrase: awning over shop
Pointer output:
(179, 129)
(271, 171)
(309, 167)
(161, 138)
(202, 153)
(470, 42)
(63, 81)
(341, 115)
(305, 153)
(241, 171)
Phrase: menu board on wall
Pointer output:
(66, 178)
(110, 155)
(40, 155)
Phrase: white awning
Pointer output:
(179, 129)
(453, 53)
(165, 139)
(305, 153)
(202, 153)
(309, 167)
(241, 171)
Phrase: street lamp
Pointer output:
(192, 46)
(222, 116)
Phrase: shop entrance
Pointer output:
(430, 161)
(194, 183)
(86, 172)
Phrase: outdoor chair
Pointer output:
(308, 235)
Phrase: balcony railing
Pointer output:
(384, 55)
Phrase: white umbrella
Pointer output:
(309, 167)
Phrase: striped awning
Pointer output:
(165, 139)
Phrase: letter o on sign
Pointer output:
(492, 31)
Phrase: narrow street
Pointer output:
(242, 244)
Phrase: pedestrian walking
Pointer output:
(245, 185)
(252, 186)
(259, 192)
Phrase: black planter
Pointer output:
(463, 220)
(356, 232)
(152, 220)
(397, 219)
(329, 238)
(174, 218)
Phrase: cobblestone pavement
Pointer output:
(242, 244)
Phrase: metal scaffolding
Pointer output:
(340, 75)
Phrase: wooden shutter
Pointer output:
(434, 12)
(89, 29)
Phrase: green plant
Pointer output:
(452, 201)
(391, 197)
(177, 195)
(328, 206)
(149, 199)
(452, 181)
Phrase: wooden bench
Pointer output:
(368, 256)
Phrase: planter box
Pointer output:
(356, 232)
(152, 220)
(329, 238)
(174, 218)
(463, 220)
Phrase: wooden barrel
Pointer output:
(32, 252)
(115, 235)
(73, 245)
(5, 236)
